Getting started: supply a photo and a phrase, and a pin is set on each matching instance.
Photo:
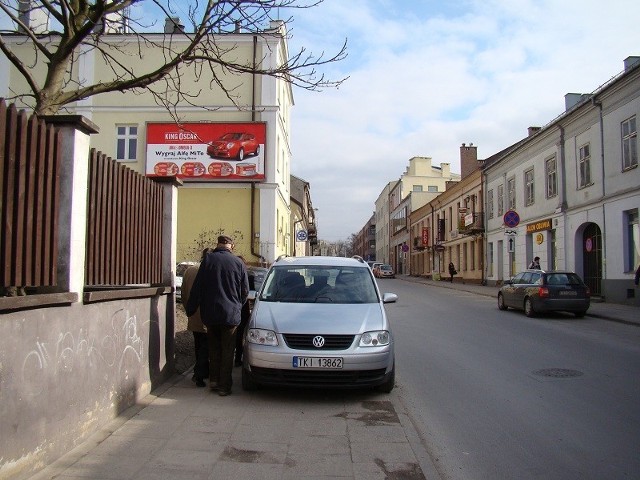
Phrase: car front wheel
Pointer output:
(501, 304)
(528, 308)
(241, 154)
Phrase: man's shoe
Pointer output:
(224, 393)
(213, 387)
(200, 383)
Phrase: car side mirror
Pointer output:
(389, 298)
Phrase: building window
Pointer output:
(490, 203)
(417, 188)
(500, 200)
(432, 188)
(490, 259)
(529, 190)
(584, 166)
(629, 143)
(511, 193)
(632, 240)
(551, 168)
(126, 143)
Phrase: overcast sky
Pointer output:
(426, 76)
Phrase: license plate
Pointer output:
(568, 293)
(317, 362)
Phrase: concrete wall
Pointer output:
(66, 371)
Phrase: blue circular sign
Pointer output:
(511, 218)
(301, 235)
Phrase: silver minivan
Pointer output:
(319, 322)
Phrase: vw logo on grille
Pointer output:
(318, 341)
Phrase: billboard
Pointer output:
(207, 151)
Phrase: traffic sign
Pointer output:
(511, 218)
(301, 235)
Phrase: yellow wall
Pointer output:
(205, 213)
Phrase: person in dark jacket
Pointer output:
(452, 271)
(219, 290)
(637, 279)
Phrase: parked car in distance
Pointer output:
(319, 322)
(180, 269)
(234, 146)
(537, 291)
(374, 267)
(385, 271)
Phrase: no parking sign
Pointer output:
(301, 235)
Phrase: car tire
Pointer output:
(528, 308)
(248, 384)
(241, 154)
(387, 386)
(579, 314)
(501, 304)
(257, 151)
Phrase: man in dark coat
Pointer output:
(219, 290)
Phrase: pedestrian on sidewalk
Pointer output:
(220, 289)
(636, 281)
(195, 325)
(452, 271)
(535, 264)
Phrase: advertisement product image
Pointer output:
(207, 151)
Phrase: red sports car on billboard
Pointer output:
(234, 146)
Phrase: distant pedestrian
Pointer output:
(220, 289)
(637, 279)
(535, 264)
(452, 271)
(195, 325)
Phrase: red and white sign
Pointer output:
(207, 151)
(425, 236)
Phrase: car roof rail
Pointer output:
(284, 255)
(359, 258)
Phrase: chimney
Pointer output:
(630, 62)
(468, 159)
(573, 99)
(35, 17)
(531, 131)
(173, 25)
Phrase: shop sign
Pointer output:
(425, 236)
(540, 226)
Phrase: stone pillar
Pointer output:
(75, 132)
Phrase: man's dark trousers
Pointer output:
(221, 342)
(201, 368)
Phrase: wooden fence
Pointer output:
(124, 212)
(29, 180)
(124, 225)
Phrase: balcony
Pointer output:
(476, 227)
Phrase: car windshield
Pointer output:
(231, 136)
(385, 267)
(319, 284)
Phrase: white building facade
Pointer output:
(570, 193)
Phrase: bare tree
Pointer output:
(62, 31)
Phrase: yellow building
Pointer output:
(242, 194)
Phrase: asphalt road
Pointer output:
(497, 395)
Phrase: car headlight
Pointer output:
(229, 145)
(375, 339)
(262, 337)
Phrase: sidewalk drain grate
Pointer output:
(558, 373)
